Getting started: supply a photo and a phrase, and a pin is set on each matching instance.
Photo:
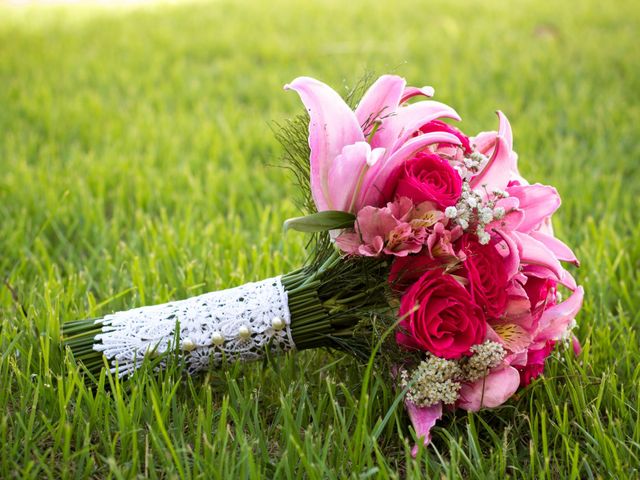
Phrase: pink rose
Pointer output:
(428, 178)
(439, 316)
(405, 271)
(484, 268)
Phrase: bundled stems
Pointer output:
(327, 302)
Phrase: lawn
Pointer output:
(138, 165)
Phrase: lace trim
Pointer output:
(238, 324)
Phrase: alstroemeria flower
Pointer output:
(353, 153)
(398, 229)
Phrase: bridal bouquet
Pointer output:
(418, 230)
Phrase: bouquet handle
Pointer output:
(238, 324)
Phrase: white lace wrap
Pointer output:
(238, 324)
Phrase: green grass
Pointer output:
(135, 167)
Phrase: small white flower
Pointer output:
(498, 213)
(470, 163)
(483, 237)
(486, 215)
(478, 157)
(500, 193)
(451, 212)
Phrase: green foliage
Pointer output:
(320, 221)
(138, 167)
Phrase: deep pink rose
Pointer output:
(484, 268)
(535, 363)
(405, 271)
(429, 178)
(446, 321)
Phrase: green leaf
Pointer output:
(321, 221)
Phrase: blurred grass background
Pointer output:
(138, 165)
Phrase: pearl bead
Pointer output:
(244, 332)
(188, 345)
(217, 338)
(277, 323)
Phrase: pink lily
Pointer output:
(555, 320)
(502, 166)
(526, 234)
(353, 153)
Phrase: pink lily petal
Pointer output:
(397, 129)
(502, 166)
(411, 92)
(513, 216)
(373, 188)
(346, 172)
(504, 129)
(423, 420)
(545, 227)
(539, 202)
(533, 252)
(508, 249)
(491, 391)
(381, 99)
(559, 249)
(577, 348)
(332, 126)
(566, 279)
(555, 320)
(497, 172)
(484, 142)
